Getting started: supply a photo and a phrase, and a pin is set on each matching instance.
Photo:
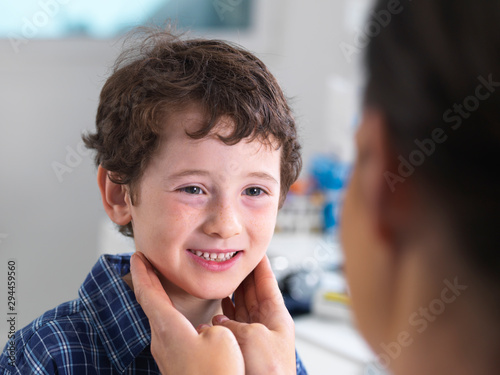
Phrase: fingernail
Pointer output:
(220, 319)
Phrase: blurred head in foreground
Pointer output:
(420, 220)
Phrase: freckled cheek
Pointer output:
(261, 222)
(184, 214)
(170, 216)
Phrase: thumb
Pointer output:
(240, 330)
(147, 285)
(157, 306)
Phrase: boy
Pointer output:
(196, 148)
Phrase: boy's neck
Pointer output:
(197, 311)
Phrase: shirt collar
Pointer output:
(116, 315)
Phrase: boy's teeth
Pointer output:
(217, 257)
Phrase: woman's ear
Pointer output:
(115, 198)
(391, 208)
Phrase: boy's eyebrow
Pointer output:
(188, 172)
(263, 175)
(201, 172)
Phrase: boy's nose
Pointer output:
(223, 221)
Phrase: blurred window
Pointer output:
(109, 18)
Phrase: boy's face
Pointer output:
(202, 199)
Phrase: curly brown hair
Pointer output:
(160, 74)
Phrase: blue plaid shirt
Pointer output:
(104, 331)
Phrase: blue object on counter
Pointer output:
(329, 215)
(331, 176)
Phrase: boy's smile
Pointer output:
(206, 211)
(217, 259)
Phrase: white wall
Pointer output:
(48, 96)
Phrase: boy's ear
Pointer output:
(115, 198)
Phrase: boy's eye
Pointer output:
(192, 190)
(254, 191)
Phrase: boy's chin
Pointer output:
(218, 293)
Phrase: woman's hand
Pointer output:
(177, 347)
(261, 323)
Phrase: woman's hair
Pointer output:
(163, 73)
(434, 72)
